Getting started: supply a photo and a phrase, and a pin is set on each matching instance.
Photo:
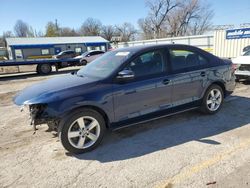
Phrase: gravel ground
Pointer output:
(185, 150)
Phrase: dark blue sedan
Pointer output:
(126, 87)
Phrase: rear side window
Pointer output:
(185, 59)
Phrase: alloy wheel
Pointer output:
(84, 132)
(214, 99)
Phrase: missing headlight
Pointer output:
(35, 110)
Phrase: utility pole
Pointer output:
(57, 28)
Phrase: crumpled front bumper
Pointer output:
(38, 115)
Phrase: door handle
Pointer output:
(203, 74)
(166, 81)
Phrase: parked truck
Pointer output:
(43, 66)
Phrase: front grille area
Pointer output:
(244, 68)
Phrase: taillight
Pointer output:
(234, 67)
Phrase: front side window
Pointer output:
(147, 64)
(183, 59)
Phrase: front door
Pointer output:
(150, 91)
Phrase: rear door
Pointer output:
(149, 92)
(188, 75)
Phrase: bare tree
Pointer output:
(22, 29)
(91, 27)
(203, 23)
(108, 31)
(146, 28)
(127, 31)
(176, 18)
(159, 11)
(192, 18)
(6, 34)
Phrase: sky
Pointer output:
(72, 13)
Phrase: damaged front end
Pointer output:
(37, 114)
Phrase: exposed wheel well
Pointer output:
(222, 87)
(99, 110)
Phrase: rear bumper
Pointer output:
(230, 86)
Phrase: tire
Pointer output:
(44, 69)
(82, 131)
(83, 62)
(212, 100)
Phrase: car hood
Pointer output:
(241, 60)
(53, 89)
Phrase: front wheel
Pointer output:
(82, 131)
(212, 100)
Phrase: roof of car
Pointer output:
(148, 47)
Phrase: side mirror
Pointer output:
(125, 75)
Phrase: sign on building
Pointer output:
(238, 33)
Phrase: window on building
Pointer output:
(103, 48)
(18, 54)
(45, 51)
(78, 50)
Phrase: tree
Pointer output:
(52, 30)
(159, 11)
(146, 28)
(203, 23)
(22, 29)
(6, 34)
(108, 31)
(127, 31)
(176, 18)
(91, 27)
(68, 32)
(192, 18)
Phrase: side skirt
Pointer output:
(154, 116)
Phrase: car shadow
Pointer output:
(28, 75)
(169, 132)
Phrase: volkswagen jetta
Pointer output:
(126, 87)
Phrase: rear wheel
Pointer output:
(44, 69)
(212, 100)
(82, 131)
(83, 62)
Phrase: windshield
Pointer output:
(104, 65)
(84, 54)
(247, 53)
